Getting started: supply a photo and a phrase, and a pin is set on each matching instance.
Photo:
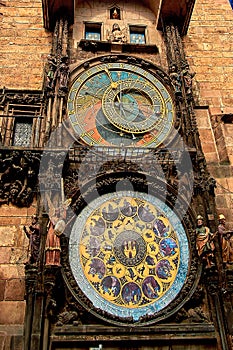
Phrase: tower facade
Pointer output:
(115, 187)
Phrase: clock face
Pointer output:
(129, 254)
(120, 104)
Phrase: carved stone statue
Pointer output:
(62, 74)
(117, 35)
(67, 317)
(56, 227)
(18, 172)
(187, 78)
(33, 234)
(52, 66)
(226, 239)
(176, 79)
(204, 243)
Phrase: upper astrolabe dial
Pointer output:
(120, 104)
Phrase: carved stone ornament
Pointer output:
(117, 34)
(194, 311)
(20, 98)
(18, 177)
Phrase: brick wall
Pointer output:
(209, 48)
(24, 44)
(13, 256)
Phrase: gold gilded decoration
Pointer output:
(120, 104)
(129, 252)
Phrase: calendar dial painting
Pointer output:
(120, 104)
(129, 255)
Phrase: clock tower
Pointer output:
(124, 250)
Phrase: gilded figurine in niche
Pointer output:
(226, 240)
(115, 13)
(204, 243)
(33, 234)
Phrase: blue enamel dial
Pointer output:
(120, 104)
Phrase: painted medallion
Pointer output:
(129, 254)
(120, 104)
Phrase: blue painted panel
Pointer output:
(92, 34)
(137, 38)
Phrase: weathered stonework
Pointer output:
(13, 256)
(24, 44)
(208, 47)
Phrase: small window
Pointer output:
(231, 2)
(22, 132)
(137, 34)
(93, 31)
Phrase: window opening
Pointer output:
(22, 132)
(93, 31)
(137, 35)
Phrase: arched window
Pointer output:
(231, 2)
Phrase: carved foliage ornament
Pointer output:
(18, 177)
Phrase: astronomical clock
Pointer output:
(121, 262)
(128, 253)
(120, 104)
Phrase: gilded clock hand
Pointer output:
(114, 84)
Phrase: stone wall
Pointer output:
(13, 256)
(136, 13)
(24, 44)
(208, 46)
